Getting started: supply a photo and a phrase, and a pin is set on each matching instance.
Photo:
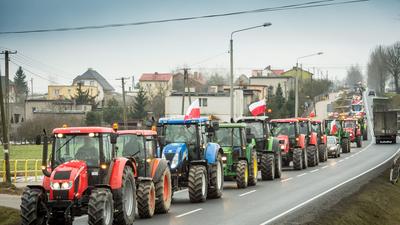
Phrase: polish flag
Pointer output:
(333, 129)
(257, 108)
(193, 111)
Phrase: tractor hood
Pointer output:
(175, 153)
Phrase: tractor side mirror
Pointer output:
(113, 138)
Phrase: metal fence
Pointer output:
(22, 168)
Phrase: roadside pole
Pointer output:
(124, 102)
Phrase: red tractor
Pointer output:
(316, 127)
(140, 146)
(312, 141)
(293, 143)
(353, 128)
(83, 176)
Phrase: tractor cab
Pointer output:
(282, 128)
(259, 128)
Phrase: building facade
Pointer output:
(267, 85)
(153, 83)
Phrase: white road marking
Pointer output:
(313, 171)
(246, 193)
(347, 157)
(180, 191)
(190, 212)
(287, 179)
(324, 167)
(327, 191)
(300, 175)
(341, 160)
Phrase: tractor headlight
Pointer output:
(175, 160)
(55, 186)
(282, 147)
(223, 158)
(66, 185)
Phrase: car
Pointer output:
(371, 93)
(333, 146)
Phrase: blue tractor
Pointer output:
(194, 161)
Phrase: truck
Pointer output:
(385, 120)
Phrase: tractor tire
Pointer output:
(359, 143)
(216, 179)
(278, 164)
(311, 156)
(394, 140)
(268, 166)
(242, 174)
(345, 145)
(146, 199)
(322, 153)
(100, 207)
(365, 135)
(164, 192)
(297, 158)
(125, 199)
(198, 183)
(33, 207)
(253, 169)
(377, 141)
(305, 159)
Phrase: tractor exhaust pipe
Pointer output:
(45, 154)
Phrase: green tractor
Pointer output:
(268, 149)
(342, 135)
(240, 156)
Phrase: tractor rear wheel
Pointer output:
(197, 183)
(164, 192)
(311, 155)
(253, 169)
(323, 153)
(297, 158)
(305, 159)
(33, 207)
(146, 199)
(267, 166)
(125, 199)
(359, 144)
(216, 179)
(100, 207)
(278, 164)
(345, 145)
(242, 174)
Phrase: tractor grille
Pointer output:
(169, 156)
(60, 194)
(260, 144)
(62, 175)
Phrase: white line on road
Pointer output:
(346, 158)
(325, 167)
(190, 212)
(300, 175)
(246, 193)
(287, 179)
(329, 190)
(180, 191)
(341, 160)
(313, 171)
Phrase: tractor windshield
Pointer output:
(180, 133)
(228, 137)
(131, 145)
(316, 127)
(356, 108)
(283, 129)
(303, 128)
(349, 124)
(257, 129)
(77, 147)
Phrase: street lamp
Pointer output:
(231, 55)
(296, 105)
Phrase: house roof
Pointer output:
(278, 72)
(92, 74)
(163, 77)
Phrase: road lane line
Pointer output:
(300, 175)
(340, 160)
(246, 193)
(325, 167)
(190, 212)
(327, 191)
(287, 179)
(180, 191)
(313, 171)
(347, 157)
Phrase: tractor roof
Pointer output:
(182, 121)
(288, 120)
(303, 119)
(316, 121)
(138, 132)
(252, 118)
(83, 130)
(232, 125)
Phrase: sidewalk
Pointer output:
(11, 201)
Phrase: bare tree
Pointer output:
(393, 63)
(377, 70)
(354, 75)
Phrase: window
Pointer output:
(91, 83)
(107, 148)
(56, 91)
(203, 102)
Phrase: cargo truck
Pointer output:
(385, 120)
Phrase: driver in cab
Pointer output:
(88, 151)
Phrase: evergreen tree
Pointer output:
(112, 112)
(83, 97)
(290, 104)
(21, 85)
(139, 105)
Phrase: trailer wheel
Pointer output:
(164, 192)
(197, 183)
(297, 159)
(268, 166)
(278, 164)
(125, 199)
(216, 179)
(33, 207)
(253, 169)
(242, 174)
(100, 207)
(146, 199)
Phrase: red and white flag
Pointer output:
(333, 127)
(257, 108)
(193, 111)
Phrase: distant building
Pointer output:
(56, 92)
(300, 73)
(242, 80)
(267, 71)
(154, 82)
(267, 85)
(196, 82)
(35, 107)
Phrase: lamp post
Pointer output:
(231, 60)
(296, 104)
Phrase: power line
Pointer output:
(33, 73)
(312, 4)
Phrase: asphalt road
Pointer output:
(270, 201)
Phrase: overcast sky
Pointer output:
(345, 33)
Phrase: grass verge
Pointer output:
(9, 216)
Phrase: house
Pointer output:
(298, 72)
(267, 85)
(12, 96)
(62, 108)
(196, 82)
(69, 91)
(153, 83)
(242, 80)
(267, 71)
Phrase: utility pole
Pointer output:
(122, 79)
(32, 86)
(4, 109)
(185, 71)
(296, 101)
(185, 83)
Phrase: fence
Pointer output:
(22, 168)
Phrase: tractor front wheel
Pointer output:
(278, 164)
(197, 183)
(268, 166)
(305, 159)
(125, 199)
(311, 155)
(242, 174)
(100, 207)
(216, 179)
(33, 207)
(146, 199)
(253, 169)
(345, 145)
(164, 192)
(297, 158)
(323, 153)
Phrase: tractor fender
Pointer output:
(39, 187)
(302, 141)
(46, 183)
(211, 153)
(157, 168)
(118, 170)
(314, 139)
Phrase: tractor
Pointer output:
(353, 128)
(83, 176)
(342, 135)
(291, 141)
(269, 152)
(316, 127)
(195, 162)
(141, 147)
(240, 156)
(312, 141)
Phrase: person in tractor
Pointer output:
(133, 146)
(88, 151)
